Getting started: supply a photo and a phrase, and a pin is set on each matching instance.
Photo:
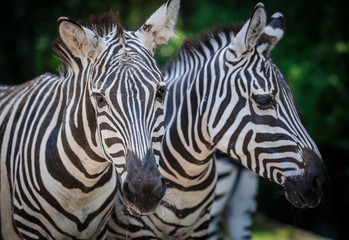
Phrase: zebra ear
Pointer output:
(247, 37)
(81, 41)
(159, 28)
(272, 34)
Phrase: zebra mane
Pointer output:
(198, 43)
(102, 25)
(105, 23)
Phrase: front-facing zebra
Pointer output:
(70, 142)
(226, 94)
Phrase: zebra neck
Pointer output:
(185, 148)
(80, 131)
(186, 139)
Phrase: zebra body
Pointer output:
(226, 94)
(235, 202)
(69, 143)
(41, 195)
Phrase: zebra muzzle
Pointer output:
(307, 189)
(144, 186)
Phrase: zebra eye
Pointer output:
(100, 99)
(160, 94)
(264, 101)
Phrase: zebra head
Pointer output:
(262, 127)
(125, 90)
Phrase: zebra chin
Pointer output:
(144, 186)
(306, 191)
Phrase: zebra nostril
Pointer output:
(317, 177)
(319, 183)
(129, 192)
(316, 184)
(163, 182)
(162, 189)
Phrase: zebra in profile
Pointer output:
(225, 93)
(69, 143)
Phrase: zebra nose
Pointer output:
(144, 186)
(160, 191)
(318, 179)
(129, 191)
(316, 184)
(140, 191)
(306, 190)
(144, 196)
(319, 182)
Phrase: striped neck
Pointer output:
(77, 150)
(186, 137)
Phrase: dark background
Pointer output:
(313, 55)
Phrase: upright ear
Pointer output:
(81, 41)
(159, 28)
(247, 37)
(272, 34)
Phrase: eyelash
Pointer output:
(264, 101)
(160, 94)
(100, 99)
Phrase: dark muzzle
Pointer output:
(307, 190)
(144, 186)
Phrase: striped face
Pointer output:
(125, 97)
(269, 137)
(261, 124)
(128, 101)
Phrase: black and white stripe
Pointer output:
(226, 94)
(235, 204)
(70, 142)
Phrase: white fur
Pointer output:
(278, 33)
(82, 41)
(277, 15)
(251, 31)
(159, 28)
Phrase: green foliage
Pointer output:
(286, 233)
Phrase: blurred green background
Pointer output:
(313, 55)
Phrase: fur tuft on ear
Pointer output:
(247, 37)
(272, 34)
(159, 28)
(81, 41)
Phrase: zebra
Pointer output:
(235, 203)
(69, 143)
(225, 93)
